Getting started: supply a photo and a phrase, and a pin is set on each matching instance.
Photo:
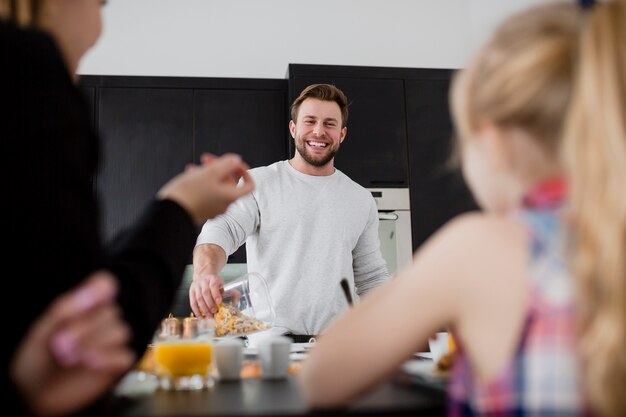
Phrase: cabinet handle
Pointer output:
(387, 216)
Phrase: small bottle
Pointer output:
(170, 327)
(190, 326)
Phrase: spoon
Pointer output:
(346, 290)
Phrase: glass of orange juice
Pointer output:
(183, 352)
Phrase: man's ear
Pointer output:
(292, 129)
(344, 131)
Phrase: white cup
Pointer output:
(274, 356)
(438, 346)
(229, 358)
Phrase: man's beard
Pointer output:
(301, 146)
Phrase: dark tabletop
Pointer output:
(259, 397)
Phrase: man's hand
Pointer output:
(205, 293)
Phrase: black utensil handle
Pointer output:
(346, 290)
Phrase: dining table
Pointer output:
(403, 395)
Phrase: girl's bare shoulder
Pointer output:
(482, 233)
(477, 246)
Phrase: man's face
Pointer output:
(317, 131)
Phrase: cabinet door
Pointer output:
(438, 191)
(251, 123)
(146, 140)
(374, 151)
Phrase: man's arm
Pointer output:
(370, 268)
(219, 238)
(208, 258)
(205, 292)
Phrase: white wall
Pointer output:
(259, 38)
(485, 15)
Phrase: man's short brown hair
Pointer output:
(324, 92)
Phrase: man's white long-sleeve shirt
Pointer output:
(304, 233)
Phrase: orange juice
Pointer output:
(184, 358)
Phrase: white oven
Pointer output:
(394, 226)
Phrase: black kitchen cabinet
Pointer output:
(152, 127)
(374, 151)
(438, 191)
(251, 123)
(147, 138)
(399, 134)
(90, 97)
(401, 130)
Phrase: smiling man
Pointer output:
(306, 226)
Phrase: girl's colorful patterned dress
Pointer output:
(542, 379)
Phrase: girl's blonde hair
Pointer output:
(595, 152)
(559, 73)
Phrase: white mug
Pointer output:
(229, 358)
(274, 356)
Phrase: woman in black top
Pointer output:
(49, 159)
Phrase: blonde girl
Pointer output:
(534, 288)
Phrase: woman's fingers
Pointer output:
(99, 330)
